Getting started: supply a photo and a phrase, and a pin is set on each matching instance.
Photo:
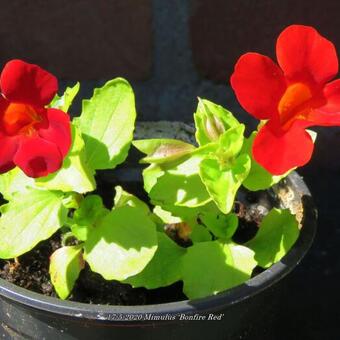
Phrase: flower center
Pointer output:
(295, 103)
(20, 119)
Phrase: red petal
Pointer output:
(304, 54)
(328, 114)
(37, 157)
(258, 84)
(279, 153)
(326, 108)
(27, 83)
(3, 106)
(8, 148)
(56, 128)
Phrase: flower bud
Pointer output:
(214, 128)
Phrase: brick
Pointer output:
(222, 30)
(79, 39)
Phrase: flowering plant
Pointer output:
(188, 231)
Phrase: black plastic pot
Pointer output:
(239, 312)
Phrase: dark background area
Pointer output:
(173, 51)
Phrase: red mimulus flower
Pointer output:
(32, 137)
(291, 96)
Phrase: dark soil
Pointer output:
(251, 207)
(30, 270)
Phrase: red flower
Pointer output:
(32, 137)
(293, 96)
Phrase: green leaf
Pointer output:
(276, 235)
(164, 268)
(151, 175)
(187, 166)
(122, 244)
(75, 174)
(66, 264)
(222, 226)
(190, 214)
(211, 267)
(166, 216)
(29, 218)
(90, 211)
(72, 200)
(123, 198)
(242, 258)
(224, 171)
(211, 121)
(222, 183)
(15, 181)
(162, 150)
(230, 143)
(181, 185)
(200, 234)
(107, 123)
(81, 231)
(259, 178)
(64, 102)
(179, 190)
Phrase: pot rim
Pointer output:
(252, 287)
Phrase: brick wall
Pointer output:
(171, 50)
(221, 30)
(79, 39)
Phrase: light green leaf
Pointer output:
(222, 170)
(151, 175)
(242, 259)
(222, 226)
(64, 102)
(276, 235)
(29, 218)
(162, 150)
(211, 121)
(107, 123)
(122, 244)
(212, 267)
(189, 214)
(90, 211)
(180, 190)
(230, 143)
(181, 185)
(259, 178)
(15, 181)
(123, 198)
(164, 268)
(222, 183)
(81, 231)
(166, 216)
(75, 174)
(186, 166)
(72, 200)
(66, 264)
